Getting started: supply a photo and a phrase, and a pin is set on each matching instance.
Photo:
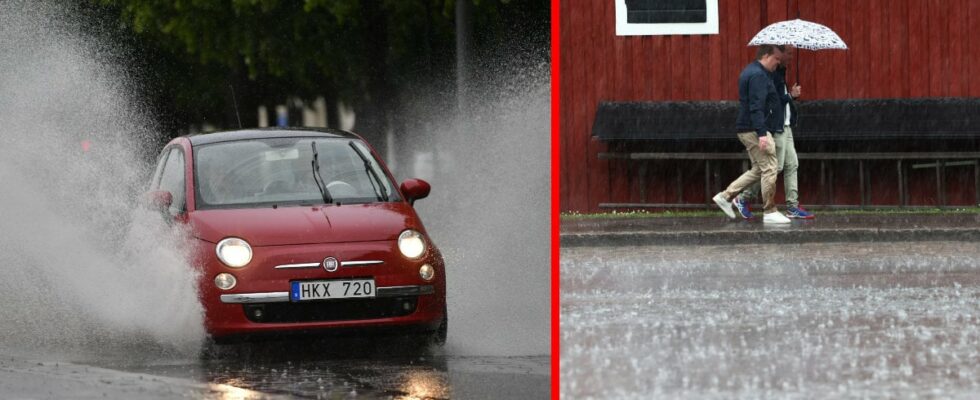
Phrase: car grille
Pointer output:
(331, 310)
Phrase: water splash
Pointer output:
(490, 202)
(80, 264)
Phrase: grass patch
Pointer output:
(573, 216)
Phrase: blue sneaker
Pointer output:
(743, 208)
(798, 213)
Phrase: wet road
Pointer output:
(295, 369)
(816, 320)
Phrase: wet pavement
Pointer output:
(338, 369)
(721, 230)
(826, 317)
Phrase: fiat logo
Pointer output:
(330, 264)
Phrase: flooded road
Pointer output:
(818, 320)
(338, 368)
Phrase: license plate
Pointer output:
(334, 289)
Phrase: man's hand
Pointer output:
(795, 91)
(763, 142)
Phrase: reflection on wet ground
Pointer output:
(813, 320)
(345, 368)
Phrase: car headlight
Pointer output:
(411, 244)
(234, 252)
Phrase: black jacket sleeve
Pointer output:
(758, 90)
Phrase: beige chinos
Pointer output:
(763, 170)
(787, 163)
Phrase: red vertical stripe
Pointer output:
(713, 78)
(899, 43)
(885, 80)
(578, 184)
(638, 84)
(604, 23)
(875, 49)
(728, 15)
(807, 64)
(679, 84)
(650, 57)
(857, 43)
(918, 55)
(638, 70)
(956, 39)
(556, 198)
(698, 68)
(839, 23)
(934, 27)
(973, 26)
(561, 88)
(775, 11)
(661, 85)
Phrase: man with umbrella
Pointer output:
(757, 99)
(800, 34)
(781, 123)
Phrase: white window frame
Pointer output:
(709, 27)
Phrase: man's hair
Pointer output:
(767, 49)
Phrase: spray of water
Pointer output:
(489, 208)
(81, 266)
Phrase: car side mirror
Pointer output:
(159, 200)
(415, 189)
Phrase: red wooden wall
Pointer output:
(898, 49)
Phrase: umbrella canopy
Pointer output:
(799, 33)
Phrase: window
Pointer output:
(279, 171)
(666, 17)
(172, 180)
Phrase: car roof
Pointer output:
(265, 133)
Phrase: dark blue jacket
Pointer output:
(778, 120)
(757, 99)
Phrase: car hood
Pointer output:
(305, 224)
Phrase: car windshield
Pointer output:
(279, 171)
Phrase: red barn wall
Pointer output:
(898, 49)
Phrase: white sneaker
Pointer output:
(775, 217)
(725, 206)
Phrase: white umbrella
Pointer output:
(799, 33)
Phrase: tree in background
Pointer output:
(196, 53)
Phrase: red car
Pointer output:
(301, 230)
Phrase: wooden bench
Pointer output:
(915, 133)
(712, 177)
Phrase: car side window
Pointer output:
(172, 180)
(155, 183)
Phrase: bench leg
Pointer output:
(680, 184)
(861, 185)
(823, 182)
(902, 200)
(941, 182)
(830, 185)
(643, 181)
(707, 183)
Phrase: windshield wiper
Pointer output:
(327, 199)
(371, 173)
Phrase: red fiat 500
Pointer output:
(301, 230)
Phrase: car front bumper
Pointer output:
(282, 297)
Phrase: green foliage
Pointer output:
(359, 51)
